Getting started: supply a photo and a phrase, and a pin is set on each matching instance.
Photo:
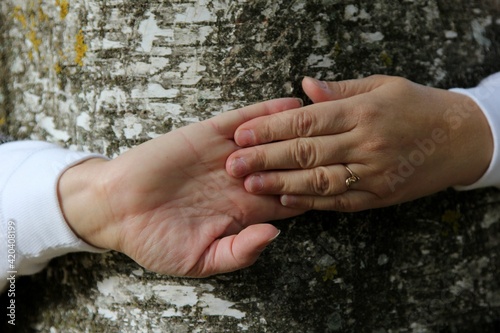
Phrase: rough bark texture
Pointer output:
(106, 75)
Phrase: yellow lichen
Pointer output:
(60, 65)
(42, 16)
(63, 8)
(58, 68)
(386, 59)
(2, 121)
(62, 55)
(35, 41)
(80, 48)
(329, 273)
(452, 218)
(19, 15)
(337, 49)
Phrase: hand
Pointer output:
(402, 139)
(169, 203)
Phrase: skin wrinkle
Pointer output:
(304, 124)
(267, 111)
(193, 212)
(188, 142)
(341, 203)
(322, 184)
(305, 154)
(208, 257)
(160, 245)
(193, 259)
(232, 252)
(204, 202)
(211, 169)
(216, 127)
(134, 251)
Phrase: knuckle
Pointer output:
(305, 153)
(273, 129)
(265, 133)
(303, 123)
(387, 186)
(368, 112)
(384, 192)
(309, 204)
(342, 204)
(401, 86)
(273, 183)
(322, 184)
(257, 160)
(378, 77)
(401, 82)
(342, 87)
(279, 184)
(376, 145)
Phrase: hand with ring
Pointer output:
(364, 144)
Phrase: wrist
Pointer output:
(486, 96)
(81, 198)
(473, 141)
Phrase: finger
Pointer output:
(301, 153)
(236, 251)
(321, 181)
(313, 120)
(350, 201)
(322, 91)
(227, 123)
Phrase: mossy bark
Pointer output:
(107, 75)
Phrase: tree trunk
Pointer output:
(105, 76)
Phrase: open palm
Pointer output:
(170, 205)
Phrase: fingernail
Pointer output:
(320, 84)
(256, 184)
(269, 242)
(288, 200)
(301, 101)
(246, 138)
(239, 167)
(272, 239)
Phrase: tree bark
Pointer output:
(105, 76)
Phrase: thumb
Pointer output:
(236, 251)
(323, 91)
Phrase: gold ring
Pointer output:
(352, 179)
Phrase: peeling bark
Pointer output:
(107, 75)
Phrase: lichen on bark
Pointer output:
(151, 66)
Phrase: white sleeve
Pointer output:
(33, 228)
(487, 97)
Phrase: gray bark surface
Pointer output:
(105, 76)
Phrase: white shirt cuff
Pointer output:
(29, 201)
(487, 97)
